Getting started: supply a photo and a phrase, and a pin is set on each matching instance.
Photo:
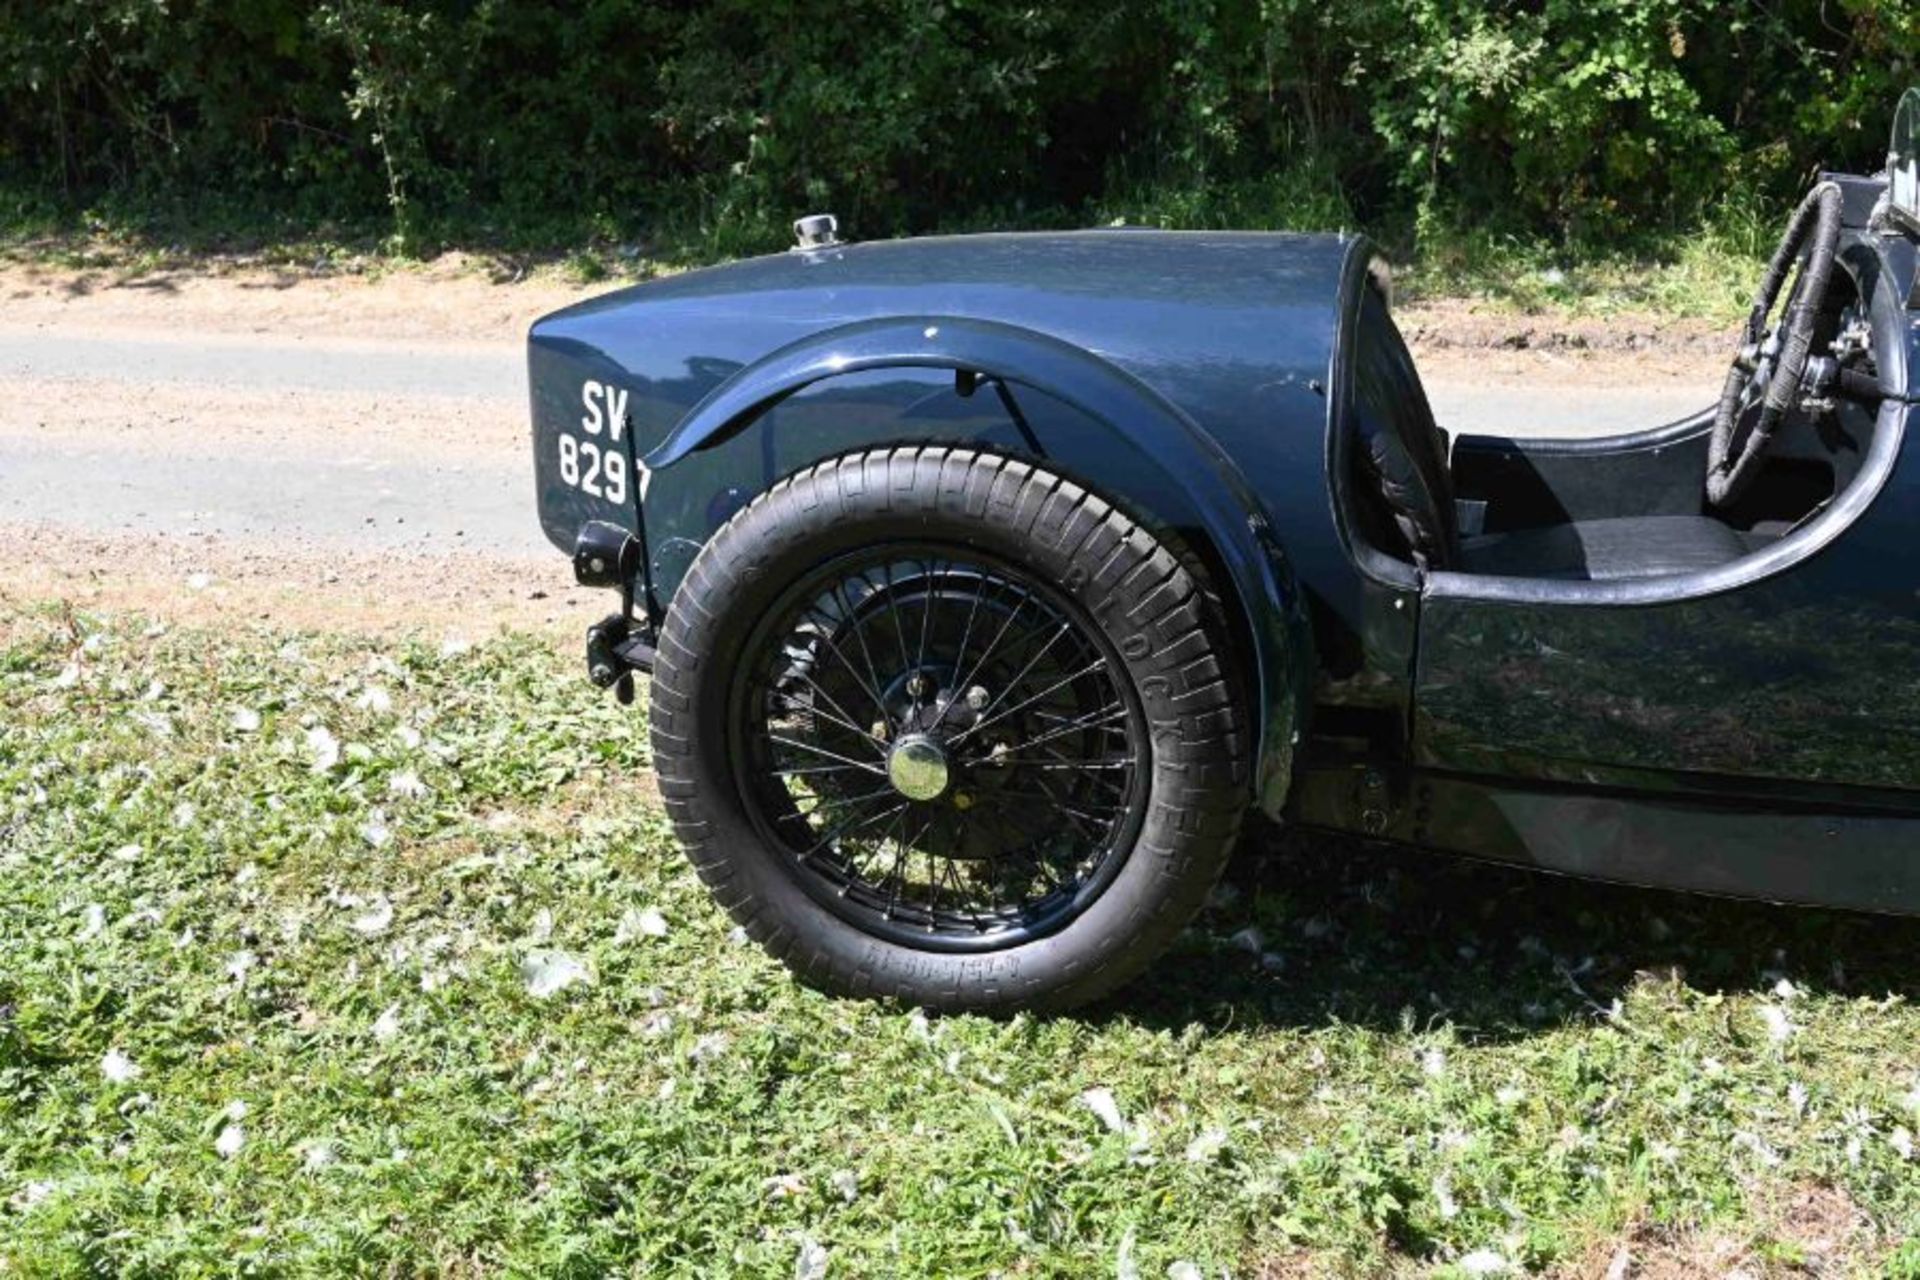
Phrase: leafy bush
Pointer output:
(710, 124)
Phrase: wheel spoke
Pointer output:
(1050, 798)
(822, 802)
(926, 610)
(849, 825)
(1022, 851)
(790, 705)
(847, 716)
(1058, 762)
(981, 663)
(966, 634)
(872, 682)
(1081, 674)
(1106, 715)
(822, 751)
(1050, 814)
(821, 768)
(986, 716)
(893, 611)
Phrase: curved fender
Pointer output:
(1271, 612)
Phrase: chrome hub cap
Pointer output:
(917, 767)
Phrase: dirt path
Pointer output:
(349, 451)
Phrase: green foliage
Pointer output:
(708, 125)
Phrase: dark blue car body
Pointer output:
(1745, 728)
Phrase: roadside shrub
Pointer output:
(708, 125)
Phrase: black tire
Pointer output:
(1142, 605)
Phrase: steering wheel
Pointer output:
(1773, 361)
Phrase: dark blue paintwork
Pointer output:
(1184, 375)
(1203, 381)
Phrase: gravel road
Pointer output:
(373, 429)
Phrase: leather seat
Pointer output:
(1402, 458)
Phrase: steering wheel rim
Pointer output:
(1780, 358)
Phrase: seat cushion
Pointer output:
(1605, 550)
(1402, 454)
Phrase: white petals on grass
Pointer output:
(199, 581)
(548, 973)
(317, 1155)
(1797, 1098)
(640, 922)
(1124, 1266)
(118, 1068)
(375, 699)
(542, 925)
(710, 1047)
(1100, 1101)
(1207, 1144)
(1443, 1197)
(1753, 1142)
(1779, 1027)
(325, 748)
(375, 831)
(93, 922)
(846, 1184)
(406, 785)
(811, 1264)
(233, 1133)
(1484, 1262)
(31, 1194)
(1183, 1270)
(239, 965)
(784, 1186)
(69, 676)
(1433, 1062)
(127, 853)
(387, 1025)
(1902, 1141)
(246, 720)
(374, 921)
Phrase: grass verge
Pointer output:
(319, 955)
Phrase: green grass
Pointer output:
(212, 923)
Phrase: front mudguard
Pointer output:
(1197, 487)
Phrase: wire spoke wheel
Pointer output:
(944, 747)
(944, 727)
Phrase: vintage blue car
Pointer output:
(987, 582)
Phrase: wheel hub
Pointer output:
(917, 766)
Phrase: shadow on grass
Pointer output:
(1312, 930)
